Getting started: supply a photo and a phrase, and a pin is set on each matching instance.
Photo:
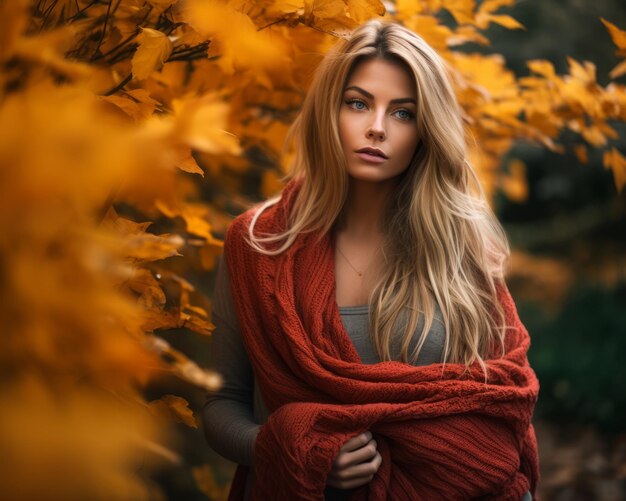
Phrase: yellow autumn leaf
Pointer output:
(580, 150)
(585, 72)
(176, 408)
(186, 162)
(201, 123)
(405, 9)
(542, 67)
(461, 10)
(514, 184)
(615, 161)
(429, 28)
(196, 319)
(594, 135)
(153, 50)
(489, 6)
(136, 103)
(339, 18)
(618, 36)
(196, 222)
(146, 285)
(483, 21)
(619, 70)
(147, 247)
(363, 10)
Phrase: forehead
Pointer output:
(384, 77)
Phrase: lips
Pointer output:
(372, 151)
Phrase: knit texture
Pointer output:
(442, 434)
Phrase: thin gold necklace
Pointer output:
(348, 261)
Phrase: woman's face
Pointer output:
(378, 111)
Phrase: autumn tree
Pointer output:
(131, 129)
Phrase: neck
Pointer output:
(362, 215)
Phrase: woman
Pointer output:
(368, 342)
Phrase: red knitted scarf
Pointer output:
(442, 434)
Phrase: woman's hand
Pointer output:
(356, 463)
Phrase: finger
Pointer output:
(357, 442)
(359, 471)
(346, 459)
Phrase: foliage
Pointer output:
(112, 112)
(576, 354)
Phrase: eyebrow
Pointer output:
(370, 96)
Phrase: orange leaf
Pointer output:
(175, 408)
(484, 20)
(489, 6)
(514, 185)
(615, 161)
(154, 48)
(137, 103)
(363, 10)
(580, 150)
(619, 70)
(461, 10)
(187, 163)
(585, 72)
(618, 36)
(144, 283)
(148, 247)
(200, 123)
(542, 67)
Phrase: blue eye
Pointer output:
(407, 115)
(357, 104)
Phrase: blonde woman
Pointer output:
(369, 346)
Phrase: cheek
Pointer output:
(409, 143)
(345, 126)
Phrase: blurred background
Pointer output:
(134, 131)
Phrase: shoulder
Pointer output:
(240, 226)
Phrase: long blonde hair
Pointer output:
(443, 243)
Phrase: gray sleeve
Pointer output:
(227, 417)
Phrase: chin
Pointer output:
(373, 175)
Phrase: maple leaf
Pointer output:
(186, 162)
(153, 50)
(136, 103)
(174, 407)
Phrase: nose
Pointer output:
(377, 129)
